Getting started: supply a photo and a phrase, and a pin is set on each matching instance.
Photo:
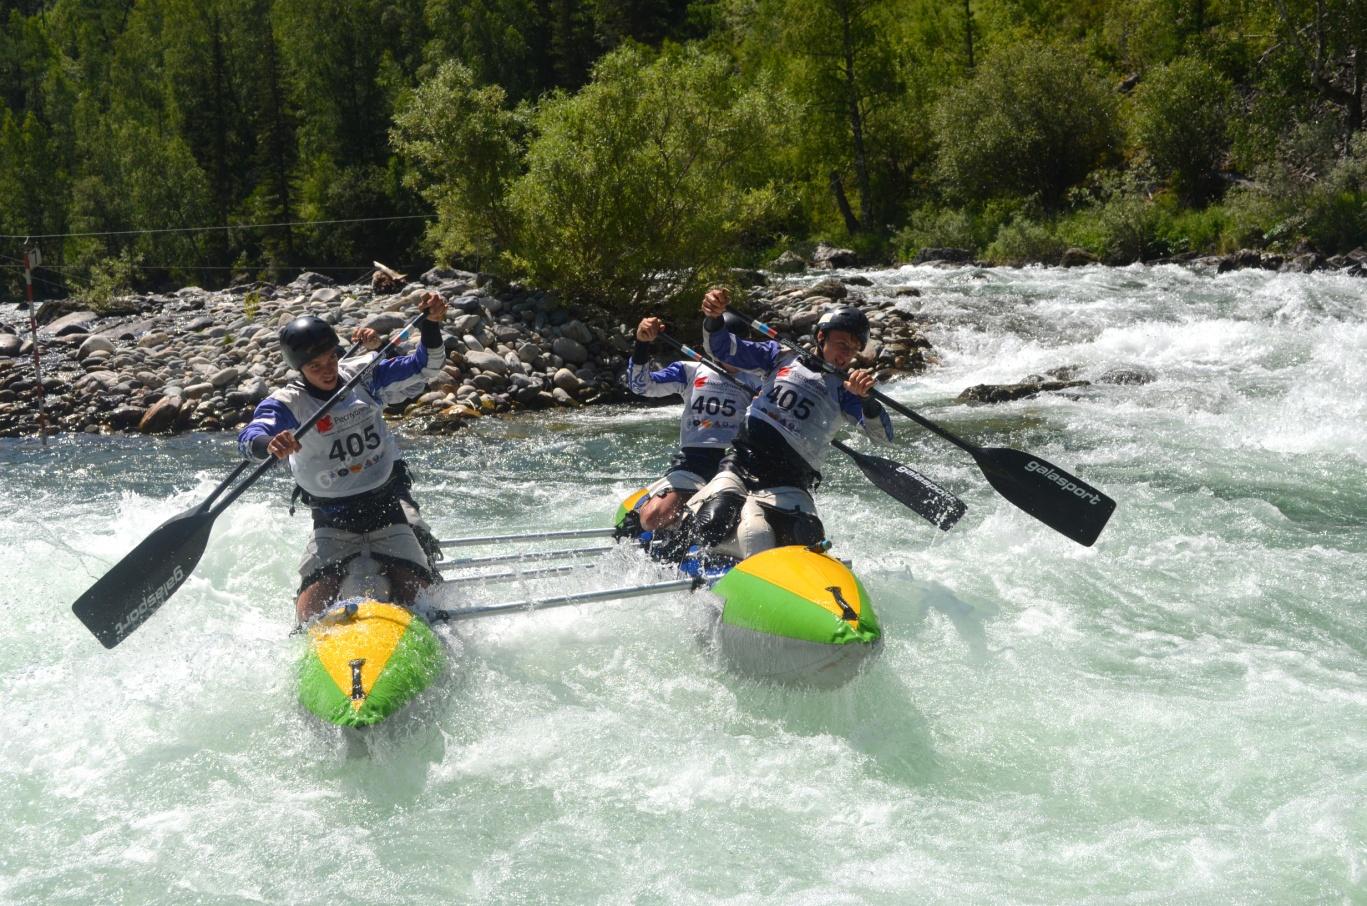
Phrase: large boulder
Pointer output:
(942, 254)
(385, 322)
(570, 350)
(10, 345)
(483, 360)
(790, 262)
(76, 322)
(829, 257)
(161, 418)
(94, 344)
(578, 331)
(1005, 393)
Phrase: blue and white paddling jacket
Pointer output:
(804, 405)
(403, 391)
(713, 406)
(350, 450)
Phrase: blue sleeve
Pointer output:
(269, 419)
(400, 368)
(746, 355)
(852, 407)
(673, 378)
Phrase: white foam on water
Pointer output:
(1175, 713)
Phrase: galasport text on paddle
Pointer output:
(134, 588)
(1064, 502)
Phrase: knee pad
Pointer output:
(794, 526)
(717, 518)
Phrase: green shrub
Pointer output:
(1179, 118)
(466, 148)
(1035, 118)
(1024, 241)
(1116, 219)
(645, 179)
(935, 228)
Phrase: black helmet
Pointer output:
(305, 338)
(846, 318)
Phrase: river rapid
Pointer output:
(1176, 715)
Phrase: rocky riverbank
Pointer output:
(199, 360)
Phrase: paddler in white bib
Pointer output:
(761, 495)
(348, 467)
(714, 407)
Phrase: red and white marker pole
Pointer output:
(33, 258)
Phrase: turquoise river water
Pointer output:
(1176, 715)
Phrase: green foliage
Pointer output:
(1116, 218)
(1288, 204)
(1034, 118)
(1024, 241)
(1180, 112)
(251, 305)
(648, 174)
(962, 124)
(108, 279)
(466, 148)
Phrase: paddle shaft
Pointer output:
(611, 594)
(909, 487)
(566, 554)
(529, 536)
(313, 419)
(1062, 501)
(137, 585)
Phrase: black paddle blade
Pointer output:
(123, 598)
(1064, 502)
(915, 491)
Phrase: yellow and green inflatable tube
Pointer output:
(366, 660)
(793, 615)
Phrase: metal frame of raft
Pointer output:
(789, 615)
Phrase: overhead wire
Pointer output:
(203, 229)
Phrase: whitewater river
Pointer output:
(1178, 714)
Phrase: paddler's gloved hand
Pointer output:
(283, 444)
(646, 333)
(714, 306)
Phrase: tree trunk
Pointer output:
(838, 190)
(968, 32)
(856, 115)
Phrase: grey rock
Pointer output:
(324, 295)
(225, 376)
(578, 331)
(385, 322)
(199, 324)
(161, 417)
(567, 380)
(76, 322)
(1076, 257)
(1130, 375)
(105, 379)
(828, 256)
(943, 254)
(486, 361)
(804, 319)
(789, 262)
(570, 350)
(195, 391)
(310, 280)
(10, 345)
(463, 324)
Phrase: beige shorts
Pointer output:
(330, 549)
